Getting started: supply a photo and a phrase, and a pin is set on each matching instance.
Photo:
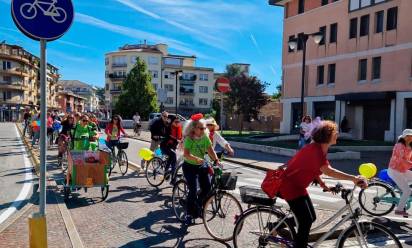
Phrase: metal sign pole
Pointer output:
(43, 127)
(221, 112)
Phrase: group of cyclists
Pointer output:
(198, 138)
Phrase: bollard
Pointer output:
(37, 231)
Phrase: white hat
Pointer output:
(406, 132)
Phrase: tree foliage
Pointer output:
(247, 97)
(278, 94)
(100, 95)
(138, 93)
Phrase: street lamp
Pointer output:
(177, 73)
(293, 44)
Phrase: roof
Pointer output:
(180, 56)
(75, 83)
(277, 2)
(69, 93)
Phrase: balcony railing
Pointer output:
(187, 92)
(117, 65)
(190, 79)
(115, 91)
(117, 77)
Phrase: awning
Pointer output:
(366, 96)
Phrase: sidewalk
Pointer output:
(15, 231)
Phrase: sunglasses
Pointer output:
(201, 128)
(85, 120)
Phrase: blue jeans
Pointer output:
(195, 174)
(112, 143)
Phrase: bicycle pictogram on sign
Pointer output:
(48, 8)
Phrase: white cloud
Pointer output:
(253, 39)
(65, 56)
(69, 43)
(137, 34)
(200, 35)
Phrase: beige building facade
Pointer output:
(362, 69)
(20, 82)
(195, 84)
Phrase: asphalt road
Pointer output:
(16, 178)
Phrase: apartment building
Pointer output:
(87, 91)
(194, 85)
(361, 69)
(20, 82)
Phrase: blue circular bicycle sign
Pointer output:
(43, 19)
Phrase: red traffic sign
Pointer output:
(223, 84)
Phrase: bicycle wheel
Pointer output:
(220, 213)
(256, 228)
(105, 192)
(123, 162)
(179, 199)
(114, 161)
(377, 199)
(155, 171)
(178, 173)
(374, 235)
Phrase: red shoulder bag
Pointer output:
(272, 181)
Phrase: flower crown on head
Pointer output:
(196, 117)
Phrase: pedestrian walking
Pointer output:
(305, 131)
(27, 120)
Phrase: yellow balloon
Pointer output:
(367, 170)
(146, 154)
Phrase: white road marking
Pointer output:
(26, 186)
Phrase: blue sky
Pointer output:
(218, 32)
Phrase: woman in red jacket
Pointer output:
(304, 168)
(170, 143)
(113, 131)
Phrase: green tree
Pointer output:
(278, 94)
(247, 97)
(138, 93)
(100, 95)
(233, 71)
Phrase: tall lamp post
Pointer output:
(293, 44)
(177, 73)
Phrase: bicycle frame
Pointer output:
(396, 199)
(39, 4)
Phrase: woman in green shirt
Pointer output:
(195, 169)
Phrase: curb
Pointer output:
(64, 211)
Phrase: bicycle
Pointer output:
(119, 158)
(156, 172)
(63, 149)
(220, 209)
(29, 10)
(380, 198)
(266, 224)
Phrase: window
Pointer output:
(155, 74)
(331, 73)
(6, 65)
(7, 79)
(106, 74)
(362, 69)
(376, 68)
(290, 38)
(6, 95)
(354, 4)
(379, 22)
(323, 31)
(203, 89)
(203, 77)
(107, 86)
(300, 41)
(364, 25)
(106, 61)
(324, 2)
(169, 87)
(203, 101)
(173, 61)
(392, 19)
(119, 61)
(333, 33)
(169, 100)
(153, 60)
(353, 30)
(321, 71)
(301, 6)
(189, 76)
(133, 59)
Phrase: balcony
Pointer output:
(19, 58)
(119, 65)
(116, 91)
(20, 72)
(188, 79)
(115, 77)
(186, 92)
(13, 86)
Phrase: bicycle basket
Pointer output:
(123, 145)
(227, 181)
(255, 196)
